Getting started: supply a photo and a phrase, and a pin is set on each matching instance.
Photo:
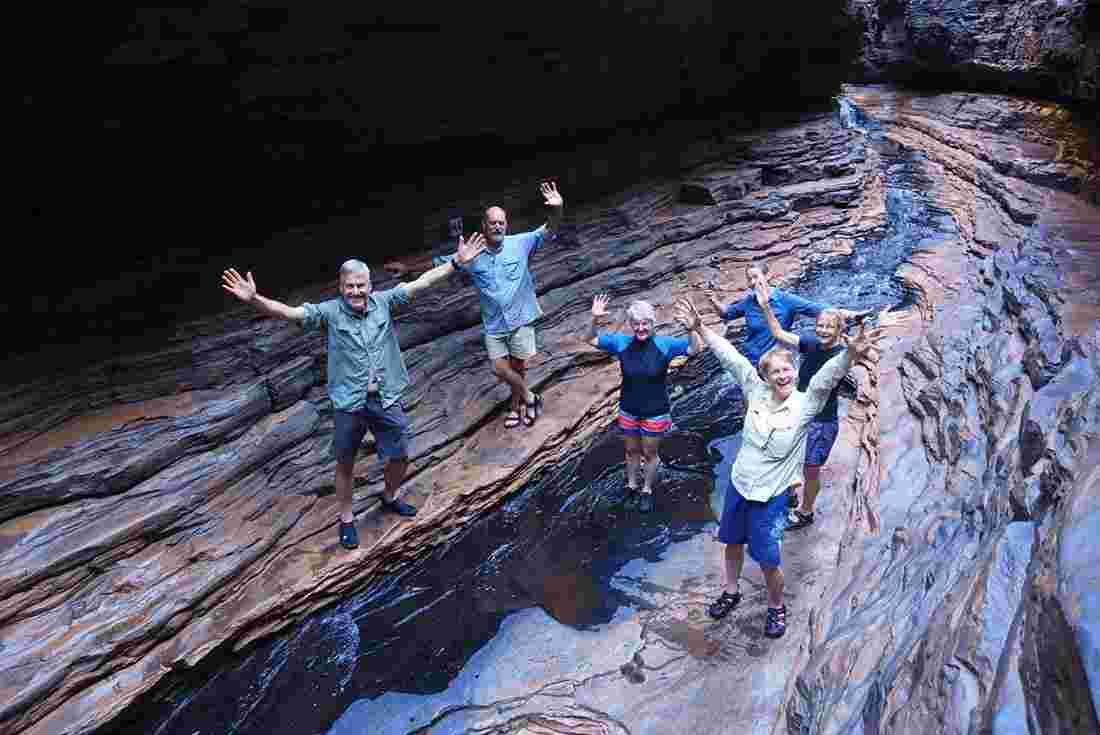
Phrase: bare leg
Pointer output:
(344, 478)
(502, 368)
(652, 459)
(394, 474)
(773, 577)
(633, 459)
(811, 489)
(735, 559)
(519, 402)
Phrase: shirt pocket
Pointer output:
(511, 269)
(784, 429)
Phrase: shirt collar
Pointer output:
(352, 312)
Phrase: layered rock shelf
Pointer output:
(161, 507)
(1037, 48)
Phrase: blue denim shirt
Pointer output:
(362, 348)
(758, 338)
(504, 282)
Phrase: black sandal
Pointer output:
(721, 607)
(534, 408)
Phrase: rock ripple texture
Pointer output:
(161, 506)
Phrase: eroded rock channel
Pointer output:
(948, 587)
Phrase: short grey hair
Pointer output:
(639, 310)
(353, 266)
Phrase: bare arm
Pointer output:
(429, 279)
(697, 344)
(556, 204)
(777, 330)
(245, 290)
(732, 360)
(599, 311)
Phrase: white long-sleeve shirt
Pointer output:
(773, 443)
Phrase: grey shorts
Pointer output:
(389, 426)
(519, 344)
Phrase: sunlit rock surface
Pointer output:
(166, 507)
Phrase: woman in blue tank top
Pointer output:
(644, 410)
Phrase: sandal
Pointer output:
(721, 607)
(534, 408)
(512, 420)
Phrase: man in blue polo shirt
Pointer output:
(786, 306)
(502, 277)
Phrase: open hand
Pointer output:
(550, 194)
(468, 250)
(245, 290)
(762, 294)
(862, 342)
(716, 304)
(687, 314)
(599, 305)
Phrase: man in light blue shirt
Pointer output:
(366, 373)
(509, 304)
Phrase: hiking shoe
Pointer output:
(396, 506)
(645, 502)
(776, 624)
(721, 607)
(797, 519)
(349, 537)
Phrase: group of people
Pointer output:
(791, 415)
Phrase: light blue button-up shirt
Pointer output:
(503, 280)
(362, 348)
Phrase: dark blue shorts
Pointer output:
(389, 426)
(758, 524)
(819, 441)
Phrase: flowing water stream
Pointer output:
(556, 554)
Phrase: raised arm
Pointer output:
(599, 312)
(697, 343)
(777, 330)
(732, 360)
(245, 290)
(728, 312)
(833, 371)
(467, 252)
(553, 200)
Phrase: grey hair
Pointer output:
(353, 266)
(778, 353)
(639, 310)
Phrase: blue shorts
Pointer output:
(389, 426)
(819, 441)
(758, 524)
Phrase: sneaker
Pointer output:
(398, 507)
(645, 502)
(797, 519)
(721, 607)
(349, 537)
(776, 624)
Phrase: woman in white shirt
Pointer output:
(769, 463)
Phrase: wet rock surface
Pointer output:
(170, 544)
(1050, 49)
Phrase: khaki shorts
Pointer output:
(519, 344)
